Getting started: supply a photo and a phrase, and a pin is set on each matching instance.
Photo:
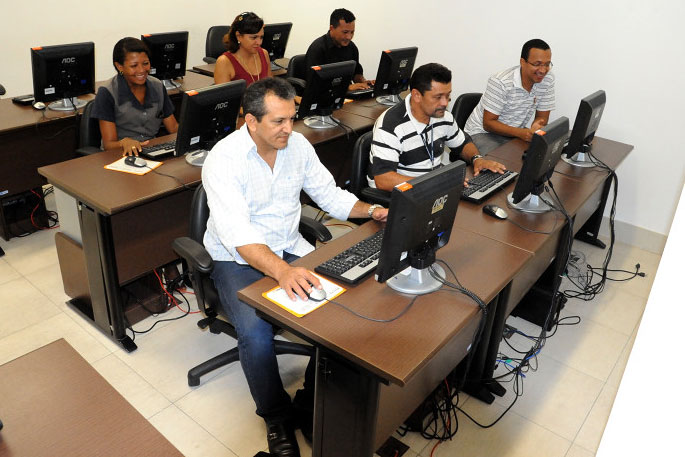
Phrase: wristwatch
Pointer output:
(373, 208)
(477, 156)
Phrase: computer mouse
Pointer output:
(135, 162)
(495, 211)
(316, 294)
(39, 105)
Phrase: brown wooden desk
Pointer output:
(371, 376)
(54, 403)
(126, 223)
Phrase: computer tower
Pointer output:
(22, 214)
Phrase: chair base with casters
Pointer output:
(200, 266)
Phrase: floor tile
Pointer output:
(22, 305)
(7, 273)
(591, 432)
(31, 253)
(554, 387)
(616, 375)
(135, 389)
(187, 436)
(577, 451)
(49, 281)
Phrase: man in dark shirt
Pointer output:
(337, 46)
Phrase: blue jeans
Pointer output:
(255, 341)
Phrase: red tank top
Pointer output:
(242, 73)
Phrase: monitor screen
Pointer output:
(538, 165)
(420, 220)
(394, 73)
(586, 123)
(208, 115)
(63, 73)
(325, 92)
(168, 55)
(276, 39)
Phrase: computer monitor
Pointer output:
(325, 92)
(584, 128)
(62, 73)
(168, 56)
(420, 221)
(538, 165)
(275, 41)
(394, 73)
(207, 116)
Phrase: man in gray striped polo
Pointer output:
(511, 99)
(409, 138)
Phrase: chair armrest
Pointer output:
(194, 253)
(87, 150)
(297, 82)
(373, 195)
(309, 226)
(208, 59)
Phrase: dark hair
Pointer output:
(341, 13)
(423, 76)
(536, 43)
(125, 46)
(253, 98)
(243, 23)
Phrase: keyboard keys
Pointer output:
(485, 184)
(356, 262)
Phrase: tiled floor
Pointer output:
(563, 411)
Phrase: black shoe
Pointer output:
(281, 439)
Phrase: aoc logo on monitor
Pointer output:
(277, 36)
(403, 63)
(439, 204)
(69, 60)
(169, 46)
(221, 105)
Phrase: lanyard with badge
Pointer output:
(430, 149)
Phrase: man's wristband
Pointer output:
(373, 208)
(477, 156)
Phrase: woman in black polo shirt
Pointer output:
(132, 106)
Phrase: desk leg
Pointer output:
(345, 408)
(589, 232)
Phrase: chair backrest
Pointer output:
(199, 214)
(360, 163)
(89, 130)
(463, 107)
(214, 46)
(297, 67)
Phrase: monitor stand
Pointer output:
(321, 122)
(580, 158)
(531, 204)
(197, 158)
(170, 84)
(389, 100)
(67, 104)
(418, 281)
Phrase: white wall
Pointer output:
(631, 49)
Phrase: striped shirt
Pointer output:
(404, 145)
(506, 97)
(250, 203)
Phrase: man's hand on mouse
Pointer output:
(132, 147)
(297, 281)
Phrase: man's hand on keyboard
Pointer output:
(132, 147)
(296, 280)
(485, 164)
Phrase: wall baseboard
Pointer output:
(635, 236)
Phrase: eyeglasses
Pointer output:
(541, 64)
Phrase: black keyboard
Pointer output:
(360, 93)
(159, 150)
(485, 184)
(355, 263)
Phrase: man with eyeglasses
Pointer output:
(511, 99)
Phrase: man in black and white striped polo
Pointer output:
(511, 99)
(409, 138)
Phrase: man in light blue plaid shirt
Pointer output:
(253, 180)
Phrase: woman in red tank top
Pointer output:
(245, 58)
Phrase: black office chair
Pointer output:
(296, 72)
(89, 132)
(214, 46)
(2, 90)
(200, 265)
(463, 107)
(359, 185)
